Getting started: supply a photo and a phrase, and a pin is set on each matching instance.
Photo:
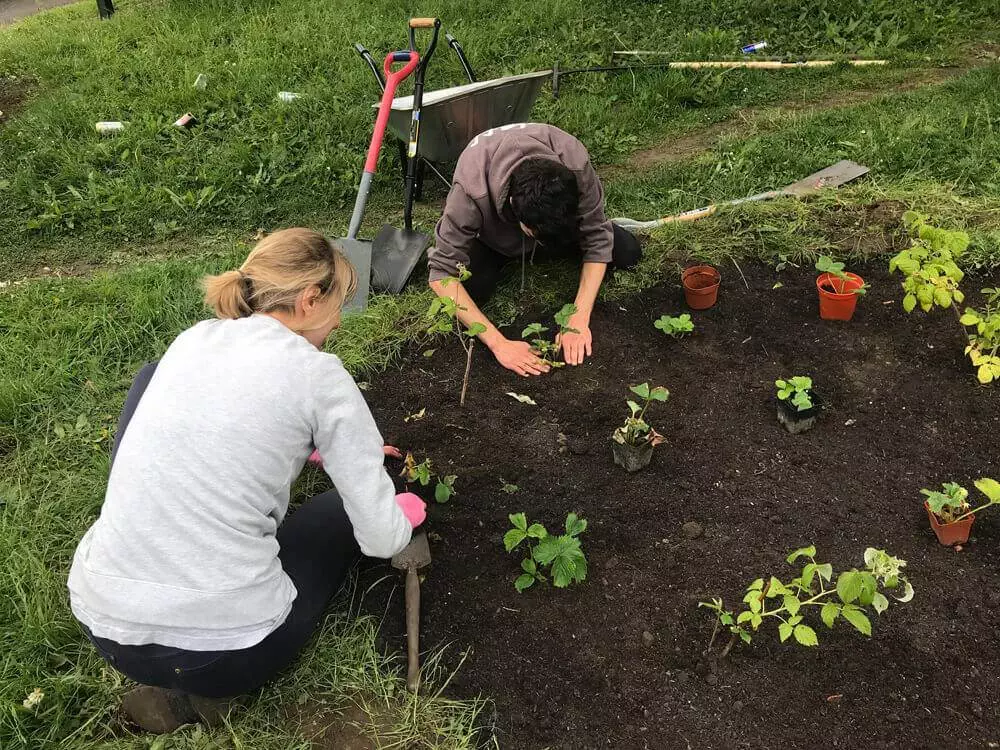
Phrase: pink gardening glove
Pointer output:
(413, 508)
(315, 458)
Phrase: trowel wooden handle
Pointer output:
(412, 630)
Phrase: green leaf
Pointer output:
(744, 636)
(535, 329)
(528, 566)
(755, 602)
(659, 393)
(969, 319)
(784, 631)
(524, 581)
(809, 551)
(726, 619)
(641, 390)
(575, 525)
(435, 307)
(536, 531)
(562, 317)
(829, 613)
(849, 586)
(443, 493)
(879, 603)
(857, 618)
(513, 538)
(475, 329)
(744, 616)
(429, 353)
(825, 571)
(792, 604)
(990, 488)
(519, 521)
(942, 297)
(806, 635)
(776, 588)
(756, 585)
(909, 302)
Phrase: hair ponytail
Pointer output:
(277, 270)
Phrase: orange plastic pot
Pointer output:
(701, 286)
(837, 299)
(948, 534)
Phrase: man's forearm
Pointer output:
(468, 311)
(591, 277)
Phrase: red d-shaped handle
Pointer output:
(392, 80)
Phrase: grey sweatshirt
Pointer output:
(184, 552)
(477, 206)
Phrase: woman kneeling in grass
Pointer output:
(190, 583)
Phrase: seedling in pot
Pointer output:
(676, 327)
(632, 443)
(950, 513)
(423, 474)
(549, 350)
(838, 290)
(444, 316)
(787, 604)
(826, 264)
(561, 555)
(797, 407)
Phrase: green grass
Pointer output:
(69, 346)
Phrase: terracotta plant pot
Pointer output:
(796, 421)
(701, 286)
(948, 534)
(632, 457)
(836, 300)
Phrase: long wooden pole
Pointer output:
(760, 64)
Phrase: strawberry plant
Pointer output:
(636, 431)
(797, 390)
(443, 314)
(787, 604)
(549, 350)
(674, 326)
(826, 264)
(985, 342)
(423, 474)
(951, 505)
(562, 555)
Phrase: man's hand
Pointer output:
(519, 357)
(576, 346)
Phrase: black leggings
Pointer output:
(486, 265)
(317, 552)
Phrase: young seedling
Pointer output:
(787, 604)
(423, 474)
(444, 316)
(549, 350)
(636, 431)
(985, 342)
(797, 390)
(951, 505)
(826, 264)
(674, 326)
(562, 555)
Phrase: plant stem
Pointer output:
(974, 511)
(729, 646)
(711, 641)
(468, 367)
(958, 316)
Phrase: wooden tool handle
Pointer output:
(412, 630)
(422, 23)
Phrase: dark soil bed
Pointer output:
(618, 661)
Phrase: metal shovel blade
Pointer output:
(414, 555)
(395, 253)
(833, 176)
(359, 252)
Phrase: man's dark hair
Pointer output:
(545, 198)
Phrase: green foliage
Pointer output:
(985, 342)
(674, 326)
(951, 504)
(826, 264)
(548, 350)
(636, 430)
(798, 389)
(562, 555)
(786, 603)
(423, 474)
(929, 265)
(443, 314)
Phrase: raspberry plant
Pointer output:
(787, 604)
(676, 327)
(636, 430)
(985, 342)
(950, 504)
(443, 314)
(549, 350)
(423, 474)
(797, 389)
(562, 555)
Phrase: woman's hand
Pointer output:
(391, 451)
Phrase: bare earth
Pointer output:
(15, 10)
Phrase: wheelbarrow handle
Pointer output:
(424, 23)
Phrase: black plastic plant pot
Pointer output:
(632, 457)
(796, 421)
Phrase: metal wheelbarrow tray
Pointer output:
(452, 117)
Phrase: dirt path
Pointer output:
(15, 10)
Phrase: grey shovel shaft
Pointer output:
(412, 630)
(359, 204)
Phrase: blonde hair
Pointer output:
(277, 270)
